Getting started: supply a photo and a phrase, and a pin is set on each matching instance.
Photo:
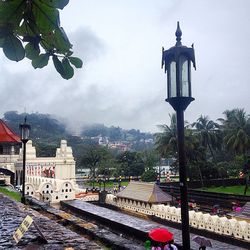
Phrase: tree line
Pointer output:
(214, 149)
(46, 133)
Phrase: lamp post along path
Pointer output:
(177, 61)
(24, 129)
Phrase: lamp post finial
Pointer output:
(178, 35)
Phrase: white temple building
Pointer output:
(50, 179)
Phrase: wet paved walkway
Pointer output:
(12, 214)
(138, 224)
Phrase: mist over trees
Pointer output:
(214, 149)
(47, 132)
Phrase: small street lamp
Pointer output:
(104, 183)
(177, 61)
(100, 183)
(25, 131)
(105, 176)
(120, 182)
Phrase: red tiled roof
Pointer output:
(6, 134)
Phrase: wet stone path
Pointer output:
(12, 214)
(137, 224)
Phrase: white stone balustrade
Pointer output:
(161, 211)
(213, 223)
(204, 220)
(246, 233)
(157, 209)
(90, 197)
(176, 216)
(148, 210)
(197, 217)
(219, 225)
(229, 226)
(191, 216)
(239, 229)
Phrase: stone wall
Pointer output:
(205, 221)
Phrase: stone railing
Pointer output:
(205, 221)
(85, 196)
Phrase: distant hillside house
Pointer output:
(122, 147)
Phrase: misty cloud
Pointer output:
(86, 44)
(121, 82)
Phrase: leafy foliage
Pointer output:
(209, 133)
(212, 150)
(93, 157)
(166, 142)
(149, 175)
(236, 128)
(31, 29)
(131, 163)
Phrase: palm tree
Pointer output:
(166, 142)
(208, 132)
(195, 153)
(236, 128)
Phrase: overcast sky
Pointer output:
(121, 82)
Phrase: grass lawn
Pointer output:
(108, 184)
(14, 195)
(228, 190)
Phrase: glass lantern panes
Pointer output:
(172, 78)
(184, 88)
(25, 131)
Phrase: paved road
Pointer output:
(12, 214)
(141, 224)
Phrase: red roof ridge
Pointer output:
(7, 134)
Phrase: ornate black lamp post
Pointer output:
(25, 131)
(177, 61)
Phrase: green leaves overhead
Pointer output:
(13, 48)
(11, 12)
(68, 70)
(31, 29)
(77, 62)
(60, 4)
(40, 61)
(64, 67)
(58, 65)
(47, 18)
(31, 51)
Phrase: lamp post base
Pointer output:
(23, 200)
